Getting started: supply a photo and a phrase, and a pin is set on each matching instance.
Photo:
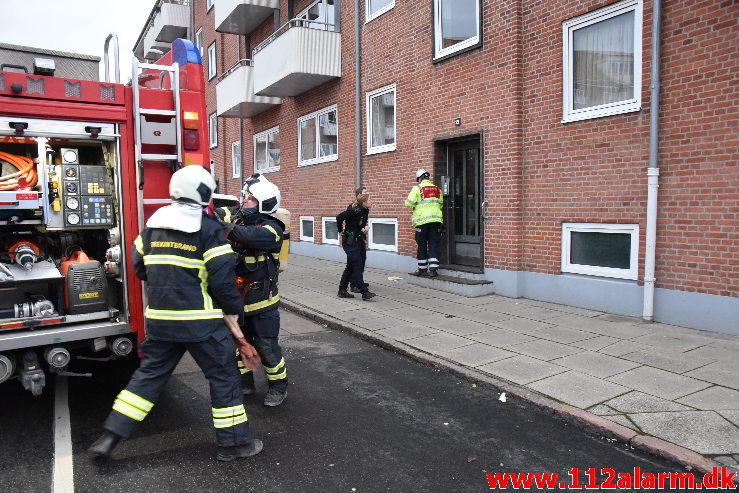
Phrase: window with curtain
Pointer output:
(318, 137)
(456, 26)
(267, 151)
(381, 120)
(603, 62)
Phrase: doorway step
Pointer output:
(452, 280)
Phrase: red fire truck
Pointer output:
(84, 163)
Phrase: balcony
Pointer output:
(296, 58)
(153, 49)
(242, 16)
(235, 96)
(172, 21)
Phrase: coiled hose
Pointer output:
(25, 177)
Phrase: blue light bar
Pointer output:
(184, 51)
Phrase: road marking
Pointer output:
(63, 473)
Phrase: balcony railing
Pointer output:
(235, 96)
(242, 16)
(299, 56)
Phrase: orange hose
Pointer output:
(26, 169)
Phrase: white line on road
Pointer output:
(63, 473)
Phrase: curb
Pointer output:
(579, 417)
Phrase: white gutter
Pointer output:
(653, 170)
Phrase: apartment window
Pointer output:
(267, 151)
(381, 120)
(209, 5)
(199, 41)
(383, 234)
(213, 130)
(456, 26)
(375, 8)
(306, 228)
(606, 250)
(330, 231)
(236, 159)
(212, 60)
(602, 62)
(322, 12)
(318, 137)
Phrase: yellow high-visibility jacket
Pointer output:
(426, 200)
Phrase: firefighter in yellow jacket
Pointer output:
(257, 236)
(426, 200)
(188, 266)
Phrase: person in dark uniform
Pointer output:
(357, 289)
(351, 225)
(257, 237)
(188, 266)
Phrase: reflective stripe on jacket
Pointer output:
(426, 200)
(190, 277)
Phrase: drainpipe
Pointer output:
(357, 97)
(653, 170)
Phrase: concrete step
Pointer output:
(463, 286)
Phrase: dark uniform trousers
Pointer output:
(356, 256)
(427, 238)
(215, 357)
(262, 331)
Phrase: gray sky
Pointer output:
(79, 26)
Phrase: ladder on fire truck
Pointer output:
(155, 133)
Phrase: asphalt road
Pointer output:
(357, 419)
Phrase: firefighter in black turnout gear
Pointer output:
(188, 266)
(256, 236)
(351, 225)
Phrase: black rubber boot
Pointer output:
(433, 273)
(253, 447)
(247, 384)
(421, 272)
(104, 445)
(343, 293)
(366, 296)
(274, 397)
(355, 289)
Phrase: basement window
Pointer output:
(330, 231)
(306, 228)
(605, 250)
(383, 234)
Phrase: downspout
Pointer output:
(653, 170)
(357, 97)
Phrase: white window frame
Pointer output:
(440, 52)
(319, 159)
(212, 60)
(374, 15)
(209, 4)
(236, 157)
(304, 13)
(373, 94)
(302, 236)
(199, 41)
(568, 27)
(213, 130)
(370, 234)
(327, 240)
(591, 270)
(266, 133)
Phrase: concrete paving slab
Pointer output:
(658, 382)
(709, 433)
(578, 389)
(477, 354)
(602, 410)
(639, 402)
(544, 350)
(460, 326)
(674, 361)
(716, 373)
(578, 322)
(595, 364)
(406, 331)
(530, 312)
(670, 342)
(438, 343)
(566, 308)
(486, 317)
(732, 416)
(620, 348)
(595, 343)
(522, 325)
(563, 335)
(408, 313)
(623, 421)
(500, 338)
(522, 369)
(383, 304)
(728, 355)
(713, 398)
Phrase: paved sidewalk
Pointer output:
(647, 384)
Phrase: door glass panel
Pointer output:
(458, 173)
(471, 222)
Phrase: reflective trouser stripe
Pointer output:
(262, 304)
(242, 370)
(434, 263)
(274, 373)
(225, 417)
(131, 405)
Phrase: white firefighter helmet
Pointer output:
(192, 183)
(264, 192)
(420, 173)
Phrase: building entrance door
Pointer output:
(464, 208)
